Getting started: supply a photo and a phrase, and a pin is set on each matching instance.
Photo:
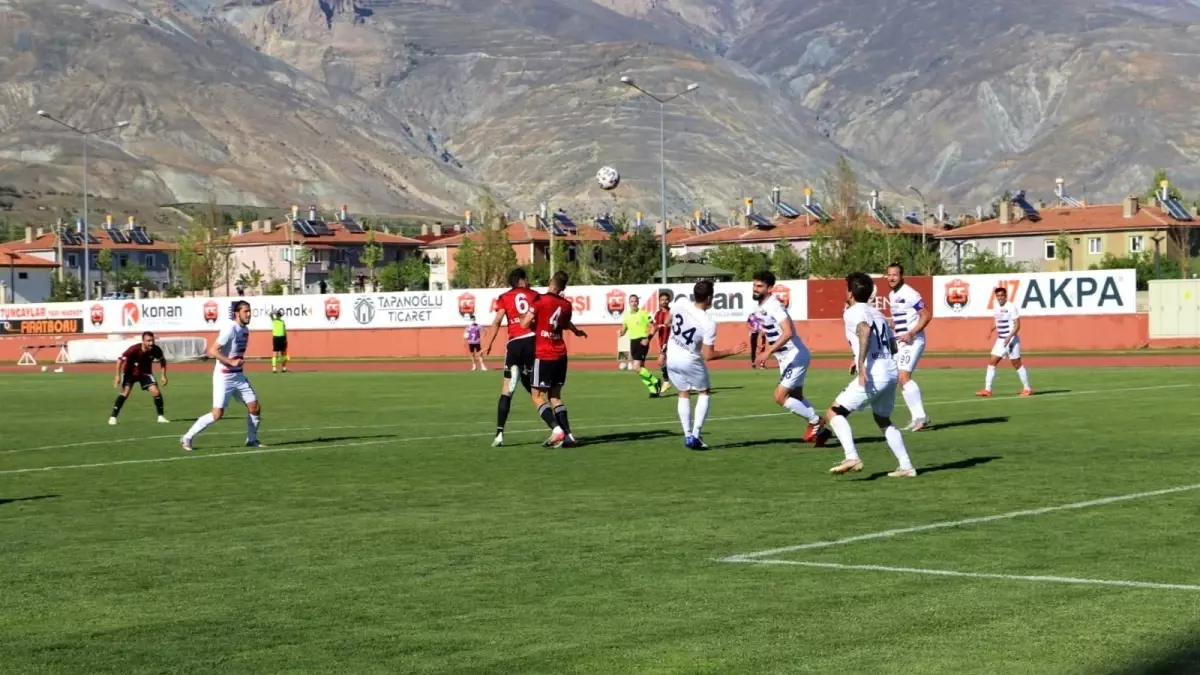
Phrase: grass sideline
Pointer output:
(381, 534)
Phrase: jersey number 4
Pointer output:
(877, 334)
(554, 318)
(688, 335)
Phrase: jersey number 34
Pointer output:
(677, 329)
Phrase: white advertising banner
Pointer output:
(1038, 294)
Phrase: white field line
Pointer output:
(115, 441)
(754, 557)
(980, 575)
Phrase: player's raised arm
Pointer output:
(495, 330)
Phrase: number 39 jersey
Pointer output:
(879, 361)
(691, 328)
(516, 303)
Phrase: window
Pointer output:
(1137, 243)
(124, 260)
(1005, 249)
(969, 250)
(1051, 249)
(22, 275)
(148, 260)
(1095, 246)
(72, 260)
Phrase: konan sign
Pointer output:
(1038, 294)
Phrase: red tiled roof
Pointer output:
(18, 260)
(520, 232)
(48, 242)
(1106, 217)
(340, 236)
(785, 228)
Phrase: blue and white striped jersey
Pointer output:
(1006, 318)
(906, 303)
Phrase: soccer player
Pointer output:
(511, 306)
(549, 316)
(636, 324)
(136, 366)
(229, 351)
(874, 383)
(473, 335)
(910, 317)
(662, 328)
(789, 351)
(1007, 328)
(279, 347)
(694, 339)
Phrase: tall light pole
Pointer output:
(84, 133)
(662, 155)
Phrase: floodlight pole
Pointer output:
(84, 133)
(662, 157)
(923, 211)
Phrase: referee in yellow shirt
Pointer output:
(637, 324)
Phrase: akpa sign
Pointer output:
(1039, 294)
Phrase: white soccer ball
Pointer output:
(607, 177)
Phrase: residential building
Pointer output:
(25, 277)
(270, 248)
(131, 245)
(1091, 232)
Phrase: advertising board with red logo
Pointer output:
(1038, 294)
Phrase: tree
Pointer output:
(67, 290)
(246, 214)
(1062, 251)
(104, 260)
(1155, 189)
(836, 250)
(414, 273)
(558, 256)
(339, 279)
(785, 262)
(275, 287)
(841, 190)
(372, 254)
(629, 256)
(251, 278)
(301, 256)
(1145, 265)
(464, 263)
(484, 259)
(986, 262)
(204, 259)
(741, 261)
(125, 279)
(585, 271)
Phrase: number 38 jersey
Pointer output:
(879, 363)
(690, 328)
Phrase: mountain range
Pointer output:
(407, 105)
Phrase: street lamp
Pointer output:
(84, 133)
(662, 155)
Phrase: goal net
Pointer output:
(176, 349)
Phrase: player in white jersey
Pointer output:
(1007, 327)
(910, 316)
(874, 383)
(229, 379)
(693, 342)
(789, 351)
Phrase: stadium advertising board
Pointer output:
(61, 310)
(1038, 294)
(41, 326)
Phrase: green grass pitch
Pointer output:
(379, 532)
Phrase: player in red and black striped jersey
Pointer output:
(136, 366)
(549, 317)
(662, 328)
(518, 358)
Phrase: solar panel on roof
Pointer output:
(92, 238)
(319, 227)
(605, 225)
(1177, 210)
(564, 221)
(117, 236)
(814, 209)
(914, 219)
(70, 238)
(353, 227)
(787, 210)
(141, 237)
(1030, 212)
(304, 228)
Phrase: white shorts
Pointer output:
(909, 355)
(688, 375)
(792, 373)
(1013, 351)
(880, 393)
(235, 385)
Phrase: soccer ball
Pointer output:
(607, 177)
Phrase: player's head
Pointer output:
(895, 276)
(147, 340)
(664, 299)
(277, 314)
(702, 294)
(241, 312)
(634, 303)
(558, 282)
(859, 288)
(1001, 295)
(517, 278)
(764, 280)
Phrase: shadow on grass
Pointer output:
(328, 439)
(1182, 658)
(27, 499)
(938, 426)
(833, 444)
(629, 437)
(951, 466)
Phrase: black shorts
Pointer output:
(129, 379)
(638, 351)
(549, 374)
(474, 348)
(519, 354)
(279, 343)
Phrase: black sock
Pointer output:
(527, 381)
(664, 375)
(158, 404)
(502, 411)
(560, 416)
(547, 416)
(753, 346)
(117, 406)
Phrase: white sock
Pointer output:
(845, 435)
(895, 441)
(1024, 375)
(201, 424)
(802, 408)
(252, 422)
(991, 377)
(912, 398)
(701, 414)
(685, 415)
